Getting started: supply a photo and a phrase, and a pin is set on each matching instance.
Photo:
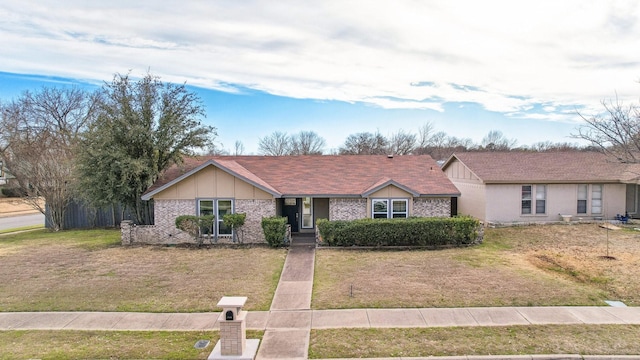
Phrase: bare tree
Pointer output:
(546, 146)
(616, 132)
(425, 132)
(402, 143)
(306, 143)
(238, 148)
(364, 143)
(276, 144)
(40, 132)
(496, 141)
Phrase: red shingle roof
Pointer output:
(562, 167)
(339, 175)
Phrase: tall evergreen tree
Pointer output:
(144, 127)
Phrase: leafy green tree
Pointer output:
(144, 127)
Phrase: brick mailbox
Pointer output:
(233, 338)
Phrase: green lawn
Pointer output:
(108, 344)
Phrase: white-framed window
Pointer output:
(399, 208)
(541, 199)
(583, 193)
(307, 213)
(527, 206)
(526, 199)
(219, 208)
(596, 199)
(380, 208)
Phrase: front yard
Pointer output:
(90, 271)
(518, 266)
(536, 265)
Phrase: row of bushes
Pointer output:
(429, 232)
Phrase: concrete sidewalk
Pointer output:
(324, 319)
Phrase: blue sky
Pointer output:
(342, 67)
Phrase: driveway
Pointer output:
(21, 221)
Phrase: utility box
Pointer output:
(233, 342)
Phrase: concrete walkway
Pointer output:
(288, 323)
(324, 319)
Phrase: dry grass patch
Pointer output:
(16, 206)
(457, 341)
(107, 344)
(76, 271)
(509, 269)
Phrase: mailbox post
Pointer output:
(233, 333)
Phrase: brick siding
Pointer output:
(428, 207)
(166, 211)
(347, 209)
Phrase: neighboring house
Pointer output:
(301, 188)
(525, 187)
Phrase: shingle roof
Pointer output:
(561, 167)
(337, 175)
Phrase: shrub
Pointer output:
(430, 232)
(196, 226)
(275, 230)
(12, 192)
(235, 223)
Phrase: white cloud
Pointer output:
(507, 56)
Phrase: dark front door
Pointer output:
(291, 210)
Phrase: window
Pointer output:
(526, 199)
(400, 209)
(541, 199)
(380, 208)
(527, 205)
(307, 213)
(219, 208)
(582, 198)
(224, 207)
(596, 199)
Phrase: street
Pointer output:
(21, 221)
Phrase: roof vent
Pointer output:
(390, 156)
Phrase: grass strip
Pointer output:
(458, 341)
(23, 228)
(108, 344)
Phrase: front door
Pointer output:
(291, 210)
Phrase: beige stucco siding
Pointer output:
(390, 191)
(212, 182)
(504, 203)
(457, 171)
(472, 200)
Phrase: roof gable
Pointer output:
(561, 167)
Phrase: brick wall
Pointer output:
(166, 211)
(427, 207)
(233, 336)
(255, 210)
(347, 209)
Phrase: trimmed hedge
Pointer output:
(275, 230)
(429, 232)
